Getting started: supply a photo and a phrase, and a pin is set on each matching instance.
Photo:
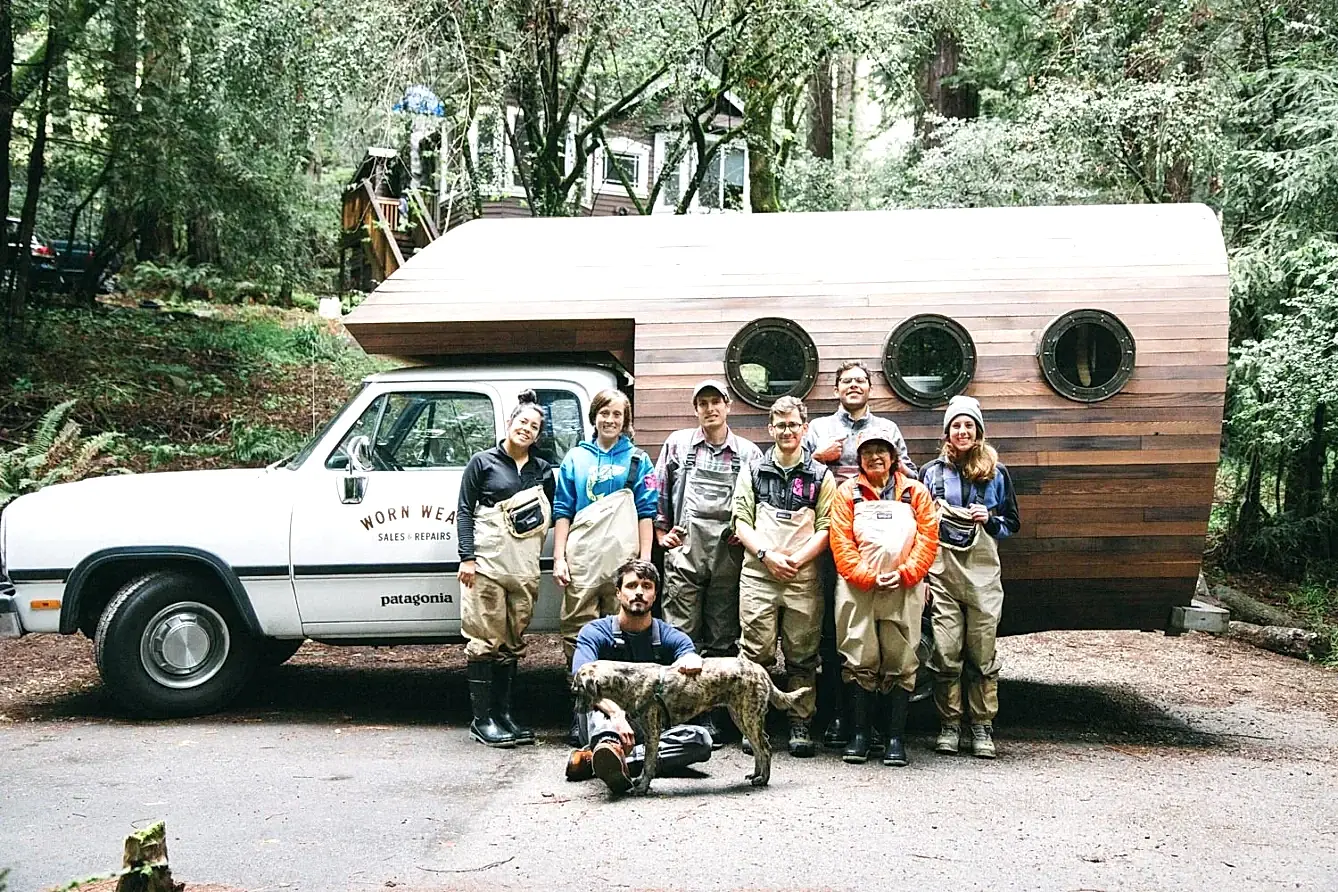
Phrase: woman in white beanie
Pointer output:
(977, 507)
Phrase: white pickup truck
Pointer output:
(188, 581)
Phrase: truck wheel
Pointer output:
(171, 644)
(277, 651)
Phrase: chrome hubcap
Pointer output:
(185, 645)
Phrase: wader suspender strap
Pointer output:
(859, 496)
(632, 468)
(625, 653)
(690, 462)
(939, 490)
(814, 484)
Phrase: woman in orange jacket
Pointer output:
(884, 536)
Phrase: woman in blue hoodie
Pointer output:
(603, 514)
(977, 507)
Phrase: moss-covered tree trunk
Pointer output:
(118, 225)
(763, 185)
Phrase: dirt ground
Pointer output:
(1163, 757)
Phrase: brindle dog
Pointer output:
(655, 696)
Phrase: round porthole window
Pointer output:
(929, 359)
(771, 358)
(1087, 355)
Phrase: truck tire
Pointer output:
(171, 644)
(277, 651)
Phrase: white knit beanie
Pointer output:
(964, 405)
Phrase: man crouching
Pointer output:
(632, 635)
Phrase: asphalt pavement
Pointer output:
(1111, 784)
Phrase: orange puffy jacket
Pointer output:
(845, 551)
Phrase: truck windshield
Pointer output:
(296, 461)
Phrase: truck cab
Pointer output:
(187, 581)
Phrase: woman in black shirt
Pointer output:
(504, 511)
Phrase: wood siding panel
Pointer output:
(1114, 496)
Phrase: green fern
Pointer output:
(55, 454)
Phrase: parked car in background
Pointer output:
(74, 258)
(41, 254)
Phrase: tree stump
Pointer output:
(145, 862)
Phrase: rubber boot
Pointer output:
(896, 704)
(574, 732)
(503, 682)
(857, 750)
(837, 734)
(484, 728)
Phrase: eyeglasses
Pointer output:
(786, 426)
(860, 380)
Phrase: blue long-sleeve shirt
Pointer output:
(997, 495)
(589, 473)
(596, 642)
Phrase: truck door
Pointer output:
(383, 562)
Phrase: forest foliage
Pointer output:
(209, 140)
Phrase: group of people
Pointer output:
(827, 547)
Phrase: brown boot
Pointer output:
(580, 765)
(610, 766)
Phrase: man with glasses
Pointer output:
(832, 440)
(780, 516)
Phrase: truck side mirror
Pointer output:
(353, 485)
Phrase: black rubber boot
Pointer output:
(857, 750)
(574, 732)
(484, 728)
(895, 706)
(837, 734)
(503, 682)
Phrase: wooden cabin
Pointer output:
(1094, 337)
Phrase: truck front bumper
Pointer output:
(10, 626)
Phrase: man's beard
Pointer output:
(637, 608)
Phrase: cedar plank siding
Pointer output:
(1114, 495)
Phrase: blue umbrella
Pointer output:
(420, 100)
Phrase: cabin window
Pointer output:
(1087, 355)
(628, 156)
(771, 358)
(928, 359)
(628, 163)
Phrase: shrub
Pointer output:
(54, 455)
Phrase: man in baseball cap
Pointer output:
(697, 470)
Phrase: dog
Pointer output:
(655, 697)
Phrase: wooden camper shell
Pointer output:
(1114, 495)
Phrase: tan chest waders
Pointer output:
(502, 549)
(878, 630)
(701, 576)
(790, 609)
(603, 536)
(508, 540)
(783, 531)
(967, 586)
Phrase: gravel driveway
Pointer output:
(1128, 761)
